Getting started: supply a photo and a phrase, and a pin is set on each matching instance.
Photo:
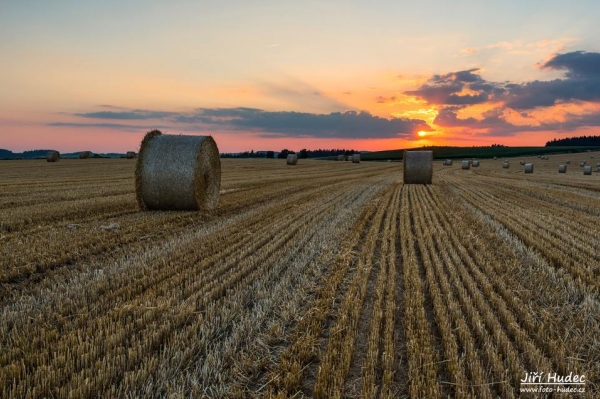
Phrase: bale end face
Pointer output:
(466, 165)
(475, 163)
(562, 168)
(528, 168)
(418, 167)
(587, 170)
(176, 172)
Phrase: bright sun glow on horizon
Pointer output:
(422, 133)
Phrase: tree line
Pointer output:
(575, 141)
(302, 154)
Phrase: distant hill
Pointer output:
(41, 154)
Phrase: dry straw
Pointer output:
(130, 155)
(505, 165)
(176, 172)
(53, 156)
(84, 155)
(356, 158)
(341, 158)
(292, 159)
(466, 165)
(475, 163)
(587, 170)
(528, 168)
(562, 168)
(418, 167)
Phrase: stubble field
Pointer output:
(324, 279)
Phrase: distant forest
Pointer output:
(575, 141)
(304, 153)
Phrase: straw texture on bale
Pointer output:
(292, 159)
(587, 170)
(130, 155)
(356, 158)
(53, 156)
(528, 168)
(84, 155)
(475, 163)
(522, 162)
(176, 172)
(341, 158)
(562, 168)
(466, 165)
(418, 167)
(505, 165)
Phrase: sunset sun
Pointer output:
(422, 133)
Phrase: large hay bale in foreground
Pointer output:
(562, 168)
(130, 155)
(418, 167)
(466, 165)
(292, 159)
(355, 158)
(341, 158)
(53, 156)
(528, 168)
(475, 163)
(587, 170)
(84, 155)
(176, 172)
(505, 165)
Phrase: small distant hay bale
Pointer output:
(539, 156)
(567, 162)
(418, 167)
(587, 170)
(475, 163)
(177, 172)
(466, 165)
(582, 164)
(495, 158)
(292, 159)
(562, 168)
(505, 165)
(528, 168)
(522, 162)
(355, 158)
(53, 156)
(341, 158)
(130, 155)
(84, 155)
(448, 162)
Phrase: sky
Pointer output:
(266, 75)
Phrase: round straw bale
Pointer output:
(466, 165)
(598, 165)
(130, 155)
(53, 156)
(84, 155)
(418, 167)
(582, 164)
(505, 165)
(495, 157)
(562, 168)
(522, 162)
(567, 162)
(292, 159)
(448, 162)
(528, 168)
(341, 158)
(176, 172)
(475, 163)
(356, 158)
(587, 170)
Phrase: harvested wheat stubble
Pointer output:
(130, 155)
(84, 155)
(292, 159)
(418, 167)
(587, 170)
(475, 163)
(341, 158)
(356, 158)
(53, 156)
(562, 168)
(466, 165)
(528, 168)
(505, 165)
(176, 172)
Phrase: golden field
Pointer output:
(324, 279)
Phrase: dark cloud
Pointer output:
(136, 114)
(118, 126)
(578, 64)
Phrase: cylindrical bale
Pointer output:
(176, 172)
(448, 162)
(418, 167)
(466, 165)
(340, 157)
(598, 165)
(53, 156)
(567, 162)
(528, 168)
(130, 155)
(562, 168)
(355, 158)
(84, 155)
(587, 170)
(495, 158)
(475, 163)
(505, 165)
(522, 162)
(582, 164)
(292, 159)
